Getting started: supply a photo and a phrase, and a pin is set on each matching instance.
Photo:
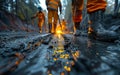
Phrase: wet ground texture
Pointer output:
(57, 54)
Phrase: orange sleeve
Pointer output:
(95, 5)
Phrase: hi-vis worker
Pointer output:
(92, 6)
(41, 18)
(52, 7)
(95, 5)
(77, 7)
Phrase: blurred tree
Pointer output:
(22, 8)
(68, 14)
(116, 7)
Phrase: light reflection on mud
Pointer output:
(61, 56)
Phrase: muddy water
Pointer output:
(79, 56)
(62, 58)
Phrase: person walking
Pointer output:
(41, 18)
(77, 7)
(52, 7)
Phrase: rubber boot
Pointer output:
(50, 28)
(77, 32)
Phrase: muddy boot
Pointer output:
(50, 28)
(77, 32)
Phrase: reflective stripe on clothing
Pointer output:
(95, 5)
(53, 4)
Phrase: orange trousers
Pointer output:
(52, 19)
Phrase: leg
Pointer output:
(77, 25)
(55, 20)
(50, 13)
(39, 25)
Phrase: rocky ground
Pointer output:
(30, 53)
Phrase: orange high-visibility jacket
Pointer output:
(40, 16)
(95, 5)
(92, 6)
(53, 4)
